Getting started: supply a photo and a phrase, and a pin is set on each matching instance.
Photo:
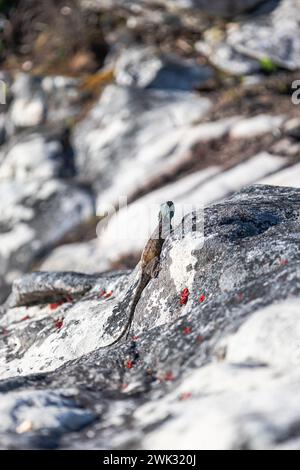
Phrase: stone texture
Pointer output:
(248, 45)
(127, 231)
(147, 68)
(114, 143)
(29, 107)
(85, 257)
(288, 177)
(214, 7)
(213, 373)
(34, 217)
(31, 157)
(275, 36)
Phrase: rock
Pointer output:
(3, 118)
(274, 37)
(39, 287)
(234, 413)
(114, 143)
(51, 304)
(29, 106)
(287, 177)
(84, 257)
(256, 126)
(145, 68)
(214, 7)
(270, 40)
(63, 98)
(32, 157)
(36, 100)
(36, 216)
(223, 7)
(31, 413)
(226, 58)
(264, 334)
(201, 367)
(128, 230)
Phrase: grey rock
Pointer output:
(224, 7)
(203, 187)
(41, 287)
(86, 257)
(246, 273)
(29, 107)
(275, 36)
(270, 39)
(36, 216)
(37, 100)
(128, 139)
(146, 68)
(226, 58)
(30, 157)
(63, 98)
(42, 416)
(3, 118)
(214, 7)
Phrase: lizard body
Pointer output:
(149, 260)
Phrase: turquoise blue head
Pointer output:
(167, 211)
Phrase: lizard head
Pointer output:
(167, 211)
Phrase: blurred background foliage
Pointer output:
(54, 35)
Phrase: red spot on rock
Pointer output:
(283, 262)
(184, 297)
(129, 364)
(58, 323)
(135, 338)
(124, 386)
(187, 330)
(185, 396)
(109, 294)
(102, 293)
(27, 317)
(169, 377)
(56, 305)
(202, 298)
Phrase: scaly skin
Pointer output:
(150, 259)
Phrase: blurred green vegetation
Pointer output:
(267, 65)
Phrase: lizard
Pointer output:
(149, 262)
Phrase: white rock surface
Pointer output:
(128, 230)
(144, 67)
(261, 338)
(256, 126)
(85, 331)
(34, 217)
(29, 106)
(288, 177)
(274, 36)
(132, 137)
(31, 158)
(30, 411)
(84, 257)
